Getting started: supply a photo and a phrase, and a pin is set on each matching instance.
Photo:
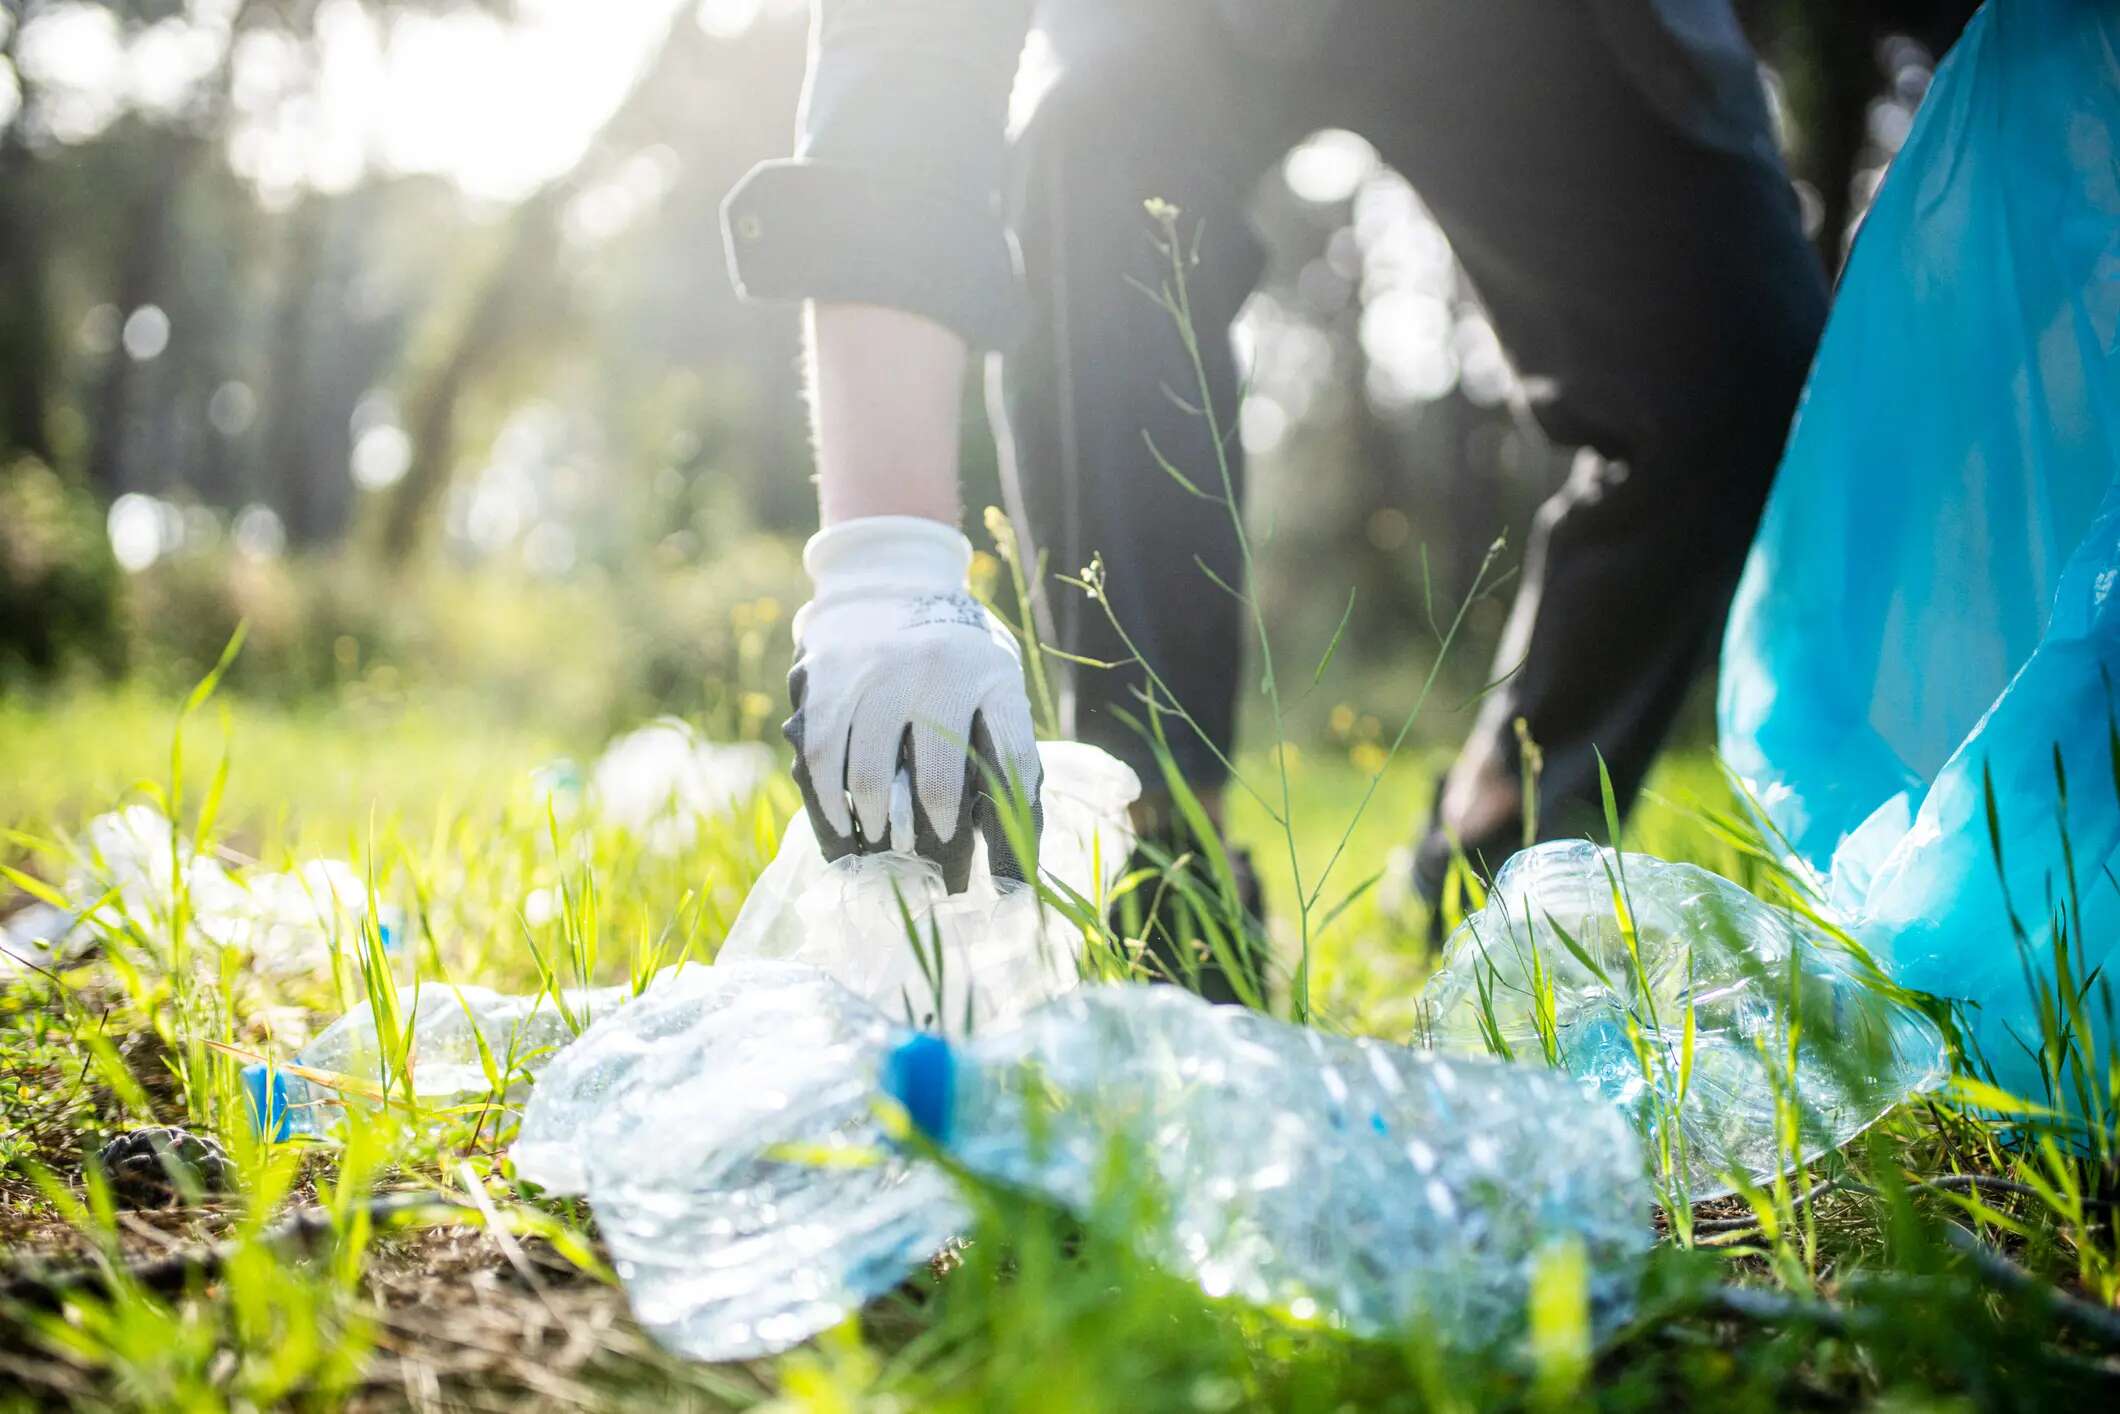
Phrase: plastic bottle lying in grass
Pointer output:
(1355, 1182)
(306, 1093)
(725, 1126)
(1372, 1185)
(1545, 969)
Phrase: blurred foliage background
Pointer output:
(399, 328)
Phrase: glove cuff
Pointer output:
(882, 555)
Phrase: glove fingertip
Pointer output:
(1016, 799)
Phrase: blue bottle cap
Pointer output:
(269, 1108)
(921, 1073)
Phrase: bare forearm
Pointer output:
(886, 393)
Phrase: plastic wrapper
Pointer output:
(127, 863)
(40, 936)
(1925, 638)
(1545, 970)
(135, 856)
(290, 924)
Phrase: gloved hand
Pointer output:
(903, 684)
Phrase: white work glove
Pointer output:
(903, 684)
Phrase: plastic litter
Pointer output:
(1927, 631)
(995, 955)
(1550, 930)
(1372, 1185)
(136, 855)
(306, 1093)
(728, 1247)
(124, 878)
(40, 936)
(998, 951)
(288, 924)
(1352, 1181)
(775, 1206)
(659, 781)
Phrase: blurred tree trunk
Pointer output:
(25, 320)
(523, 287)
(148, 234)
(289, 469)
(518, 284)
(172, 158)
(1826, 52)
(1829, 71)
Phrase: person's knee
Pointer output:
(1714, 432)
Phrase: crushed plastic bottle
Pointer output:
(1000, 953)
(1703, 945)
(1374, 1186)
(725, 1129)
(1351, 1181)
(306, 1094)
(1357, 1182)
(661, 780)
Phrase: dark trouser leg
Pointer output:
(1661, 303)
(1150, 108)
(1141, 112)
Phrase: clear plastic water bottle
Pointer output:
(307, 1093)
(1366, 1184)
(726, 1129)
(1546, 968)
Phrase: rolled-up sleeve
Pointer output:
(894, 194)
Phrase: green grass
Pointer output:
(1858, 1297)
(1962, 1252)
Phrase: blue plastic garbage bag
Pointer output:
(1929, 605)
